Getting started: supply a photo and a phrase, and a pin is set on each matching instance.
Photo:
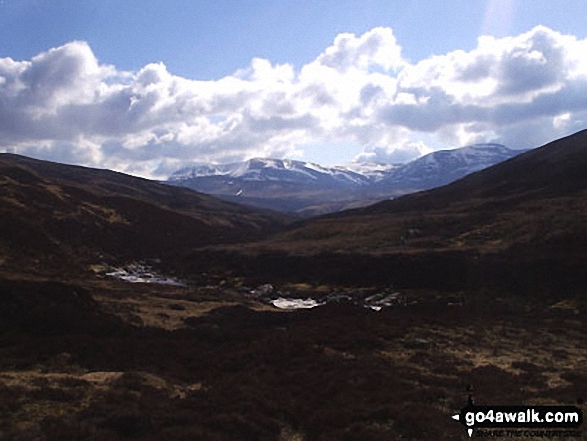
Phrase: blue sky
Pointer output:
(147, 86)
(208, 39)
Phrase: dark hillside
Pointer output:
(52, 212)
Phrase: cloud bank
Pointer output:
(522, 91)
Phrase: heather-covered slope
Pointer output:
(53, 212)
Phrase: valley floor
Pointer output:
(108, 360)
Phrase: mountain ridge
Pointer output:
(290, 185)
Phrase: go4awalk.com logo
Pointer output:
(521, 421)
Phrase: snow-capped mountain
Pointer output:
(290, 185)
(444, 166)
(373, 171)
(275, 170)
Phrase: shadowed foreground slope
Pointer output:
(50, 212)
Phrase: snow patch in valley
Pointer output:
(283, 303)
(137, 273)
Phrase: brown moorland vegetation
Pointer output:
(71, 370)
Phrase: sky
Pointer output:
(149, 86)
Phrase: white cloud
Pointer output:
(398, 153)
(524, 90)
(374, 49)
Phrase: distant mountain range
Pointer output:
(278, 170)
(310, 189)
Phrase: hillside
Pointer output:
(52, 212)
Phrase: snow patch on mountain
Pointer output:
(371, 170)
(268, 169)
